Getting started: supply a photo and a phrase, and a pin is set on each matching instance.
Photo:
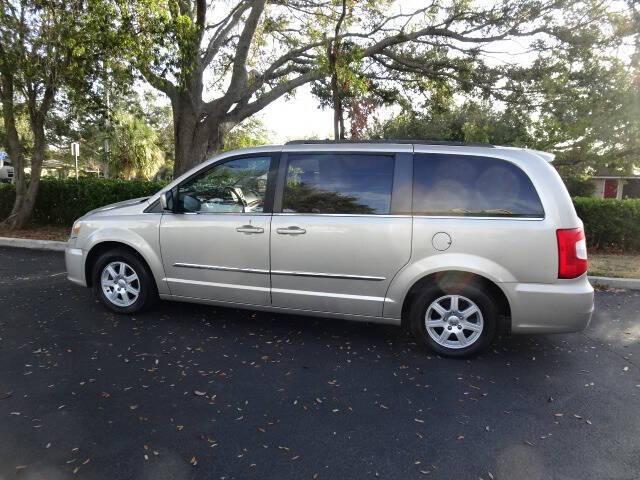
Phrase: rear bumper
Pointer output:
(565, 306)
(74, 260)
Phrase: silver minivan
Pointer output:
(456, 242)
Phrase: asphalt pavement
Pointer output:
(189, 391)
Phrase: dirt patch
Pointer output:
(611, 265)
(38, 233)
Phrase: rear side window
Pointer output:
(468, 185)
(338, 183)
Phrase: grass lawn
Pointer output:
(608, 265)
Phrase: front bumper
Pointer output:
(564, 306)
(74, 260)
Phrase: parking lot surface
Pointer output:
(189, 391)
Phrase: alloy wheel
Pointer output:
(454, 321)
(120, 284)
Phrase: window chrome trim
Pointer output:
(472, 217)
(280, 272)
(247, 214)
(220, 268)
(366, 215)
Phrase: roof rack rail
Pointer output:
(402, 142)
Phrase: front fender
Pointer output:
(142, 235)
(416, 270)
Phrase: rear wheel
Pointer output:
(454, 320)
(122, 282)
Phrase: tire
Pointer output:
(126, 273)
(437, 301)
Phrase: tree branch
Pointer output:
(239, 73)
(219, 38)
(243, 111)
(159, 82)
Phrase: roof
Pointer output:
(623, 177)
(605, 172)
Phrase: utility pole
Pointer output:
(75, 152)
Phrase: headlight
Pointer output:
(75, 230)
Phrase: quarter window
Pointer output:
(236, 186)
(473, 186)
(338, 183)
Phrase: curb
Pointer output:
(610, 282)
(32, 243)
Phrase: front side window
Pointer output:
(469, 185)
(338, 183)
(236, 186)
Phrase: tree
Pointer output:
(588, 113)
(471, 122)
(219, 68)
(334, 54)
(135, 152)
(45, 47)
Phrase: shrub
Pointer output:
(579, 187)
(60, 202)
(610, 224)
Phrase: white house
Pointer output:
(613, 185)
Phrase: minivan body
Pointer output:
(457, 242)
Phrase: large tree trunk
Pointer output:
(196, 139)
(26, 194)
(338, 119)
(14, 149)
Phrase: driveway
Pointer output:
(189, 391)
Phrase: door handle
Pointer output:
(291, 231)
(249, 229)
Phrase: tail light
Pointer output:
(572, 253)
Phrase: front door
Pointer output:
(216, 245)
(335, 247)
(611, 188)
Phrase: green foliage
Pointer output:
(60, 202)
(610, 224)
(471, 122)
(589, 113)
(579, 186)
(135, 152)
(250, 133)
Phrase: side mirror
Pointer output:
(166, 201)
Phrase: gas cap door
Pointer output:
(441, 241)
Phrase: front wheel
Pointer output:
(122, 282)
(454, 320)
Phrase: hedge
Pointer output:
(60, 202)
(610, 224)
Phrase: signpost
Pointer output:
(75, 152)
